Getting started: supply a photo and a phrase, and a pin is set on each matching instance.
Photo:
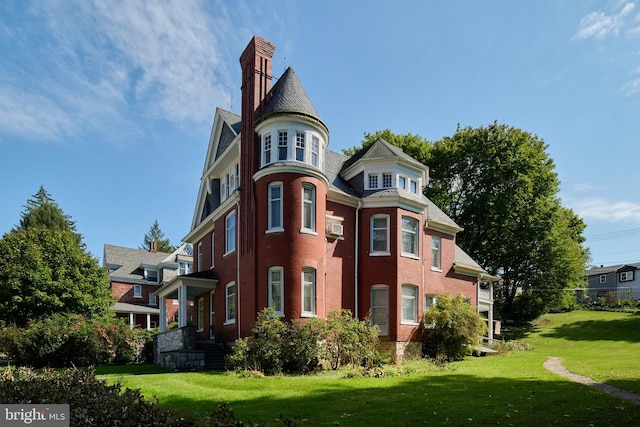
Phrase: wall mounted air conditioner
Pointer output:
(335, 230)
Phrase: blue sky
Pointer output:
(109, 104)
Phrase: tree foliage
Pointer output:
(43, 271)
(42, 210)
(500, 185)
(157, 235)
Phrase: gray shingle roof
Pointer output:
(381, 149)
(128, 260)
(461, 257)
(288, 96)
(332, 166)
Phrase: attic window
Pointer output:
(386, 180)
(373, 181)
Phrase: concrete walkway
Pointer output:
(554, 364)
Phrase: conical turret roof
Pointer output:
(289, 97)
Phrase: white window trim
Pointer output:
(288, 156)
(413, 321)
(228, 320)
(270, 283)
(416, 241)
(626, 276)
(270, 227)
(200, 314)
(226, 233)
(306, 313)
(372, 251)
(312, 229)
(199, 256)
(603, 278)
(386, 307)
(439, 266)
(303, 148)
(137, 291)
(264, 149)
(146, 275)
(433, 297)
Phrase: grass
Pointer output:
(498, 390)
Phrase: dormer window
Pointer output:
(373, 181)
(151, 275)
(315, 150)
(231, 182)
(402, 182)
(413, 186)
(387, 180)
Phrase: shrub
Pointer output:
(450, 327)
(69, 340)
(349, 340)
(299, 347)
(91, 401)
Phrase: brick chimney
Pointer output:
(256, 61)
(153, 246)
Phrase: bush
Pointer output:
(69, 340)
(276, 347)
(450, 327)
(91, 401)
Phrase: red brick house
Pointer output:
(137, 274)
(283, 221)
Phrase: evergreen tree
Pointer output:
(157, 235)
(43, 211)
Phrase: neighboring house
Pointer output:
(137, 274)
(616, 282)
(282, 221)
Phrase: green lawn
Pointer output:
(499, 390)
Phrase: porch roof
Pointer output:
(123, 307)
(196, 283)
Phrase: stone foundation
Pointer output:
(401, 350)
(182, 360)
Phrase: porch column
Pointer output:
(182, 306)
(132, 321)
(490, 315)
(148, 322)
(163, 314)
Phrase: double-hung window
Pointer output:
(315, 150)
(409, 236)
(300, 140)
(409, 304)
(275, 206)
(276, 287)
(230, 227)
(230, 302)
(308, 207)
(626, 276)
(380, 235)
(137, 291)
(282, 145)
(199, 256)
(380, 308)
(308, 292)
(267, 149)
(201, 314)
(435, 253)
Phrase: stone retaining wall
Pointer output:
(182, 360)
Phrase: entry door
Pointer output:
(380, 308)
(212, 315)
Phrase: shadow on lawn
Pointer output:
(627, 330)
(433, 399)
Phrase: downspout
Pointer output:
(356, 257)
(238, 260)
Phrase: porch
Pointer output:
(184, 288)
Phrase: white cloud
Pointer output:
(98, 65)
(605, 210)
(599, 24)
